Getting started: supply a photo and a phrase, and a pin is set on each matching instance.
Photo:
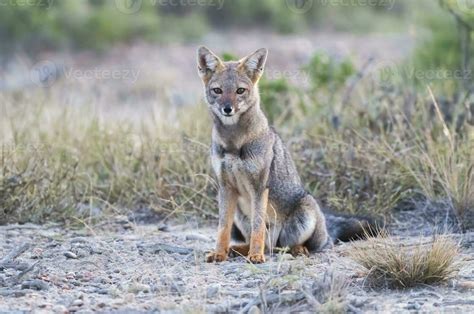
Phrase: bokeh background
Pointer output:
(102, 110)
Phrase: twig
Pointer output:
(171, 249)
(15, 253)
(14, 265)
(360, 75)
(273, 298)
(26, 271)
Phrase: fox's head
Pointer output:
(231, 87)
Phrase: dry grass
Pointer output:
(78, 163)
(393, 263)
(62, 163)
(286, 293)
(330, 292)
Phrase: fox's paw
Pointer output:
(299, 250)
(216, 257)
(256, 258)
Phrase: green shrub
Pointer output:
(328, 72)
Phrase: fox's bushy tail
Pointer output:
(345, 227)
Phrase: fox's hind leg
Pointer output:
(305, 228)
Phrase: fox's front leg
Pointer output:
(257, 236)
(227, 205)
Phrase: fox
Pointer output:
(262, 202)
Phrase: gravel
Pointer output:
(143, 268)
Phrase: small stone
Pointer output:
(465, 285)
(70, 254)
(60, 309)
(70, 275)
(212, 291)
(129, 297)
(163, 227)
(358, 302)
(139, 287)
(414, 306)
(101, 291)
(254, 310)
(246, 274)
(197, 237)
(77, 302)
(250, 284)
(79, 240)
(34, 284)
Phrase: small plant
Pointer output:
(279, 100)
(227, 56)
(389, 261)
(328, 72)
(330, 292)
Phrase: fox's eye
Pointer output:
(217, 90)
(240, 90)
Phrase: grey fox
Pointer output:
(262, 202)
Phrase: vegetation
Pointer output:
(96, 24)
(362, 141)
(364, 156)
(388, 261)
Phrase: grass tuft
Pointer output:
(392, 263)
(330, 291)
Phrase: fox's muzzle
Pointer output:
(227, 109)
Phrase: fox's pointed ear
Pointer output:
(208, 63)
(253, 64)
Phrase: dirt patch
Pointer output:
(121, 266)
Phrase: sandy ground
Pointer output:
(120, 267)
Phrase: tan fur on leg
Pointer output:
(257, 238)
(227, 206)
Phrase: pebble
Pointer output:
(212, 291)
(101, 305)
(79, 240)
(70, 254)
(139, 287)
(101, 291)
(465, 285)
(34, 284)
(197, 237)
(250, 284)
(254, 310)
(358, 302)
(70, 275)
(60, 309)
(129, 297)
(413, 306)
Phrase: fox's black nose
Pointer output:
(227, 109)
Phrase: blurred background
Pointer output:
(150, 44)
(102, 109)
